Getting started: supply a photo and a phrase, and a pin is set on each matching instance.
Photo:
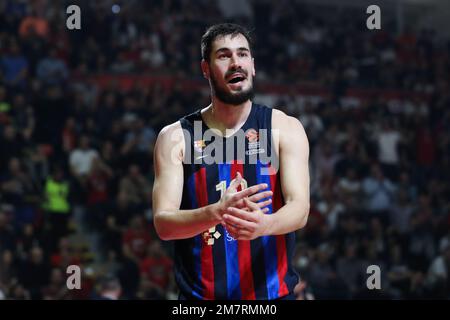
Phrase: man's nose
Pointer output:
(235, 62)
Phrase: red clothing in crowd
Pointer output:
(426, 148)
(157, 270)
(137, 241)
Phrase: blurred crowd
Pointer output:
(77, 158)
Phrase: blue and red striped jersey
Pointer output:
(213, 265)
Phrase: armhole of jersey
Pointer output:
(273, 151)
(184, 123)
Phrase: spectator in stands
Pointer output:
(438, 273)
(331, 207)
(399, 274)
(23, 118)
(156, 268)
(325, 160)
(350, 269)
(110, 288)
(351, 158)
(82, 158)
(7, 236)
(388, 141)
(64, 255)
(12, 145)
(324, 279)
(18, 292)
(135, 186)
(138, 143)
(57, 205)
(136, 239)
(69, 135)
(379, 193)
(123, 209)
(8, 270)
(29, 238)
(350, 185)
(14, 67)
(112, 236)
(34, 272)
(129, 275)
(98, 191)
(401, 213)
(52, 70)
(35, 23)
(311, 122)
(56, 288)
(16, 184)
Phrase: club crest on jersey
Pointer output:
(199, 145)
(211, 235)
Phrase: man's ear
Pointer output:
(205, 68)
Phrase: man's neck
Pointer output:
(226, 118)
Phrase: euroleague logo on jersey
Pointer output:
(252, 135)
(253, 142)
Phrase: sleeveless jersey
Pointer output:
(213, 265)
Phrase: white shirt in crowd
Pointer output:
(331, 212)
(379, 194)
(81, 160)
(388, 147)
(437, 270)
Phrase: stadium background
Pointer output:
(80, 110)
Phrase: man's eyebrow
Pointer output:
(228, 49)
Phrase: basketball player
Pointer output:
(232, 221)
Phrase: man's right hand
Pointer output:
(233, 198)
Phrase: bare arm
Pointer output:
(171, 222)
(294, 175)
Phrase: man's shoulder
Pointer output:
(170, 136)
(289, 131)
(278, 113)
(170, 129)
(282, 120)
(178, 126)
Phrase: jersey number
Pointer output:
(222, 186)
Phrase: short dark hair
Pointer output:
(221, 30)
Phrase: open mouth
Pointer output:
(236, 79)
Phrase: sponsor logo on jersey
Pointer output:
(210, 236)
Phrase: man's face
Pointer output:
(231, 69)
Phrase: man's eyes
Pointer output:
(240, 54)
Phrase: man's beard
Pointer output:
(231, 98)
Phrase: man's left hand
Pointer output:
(246, 224)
